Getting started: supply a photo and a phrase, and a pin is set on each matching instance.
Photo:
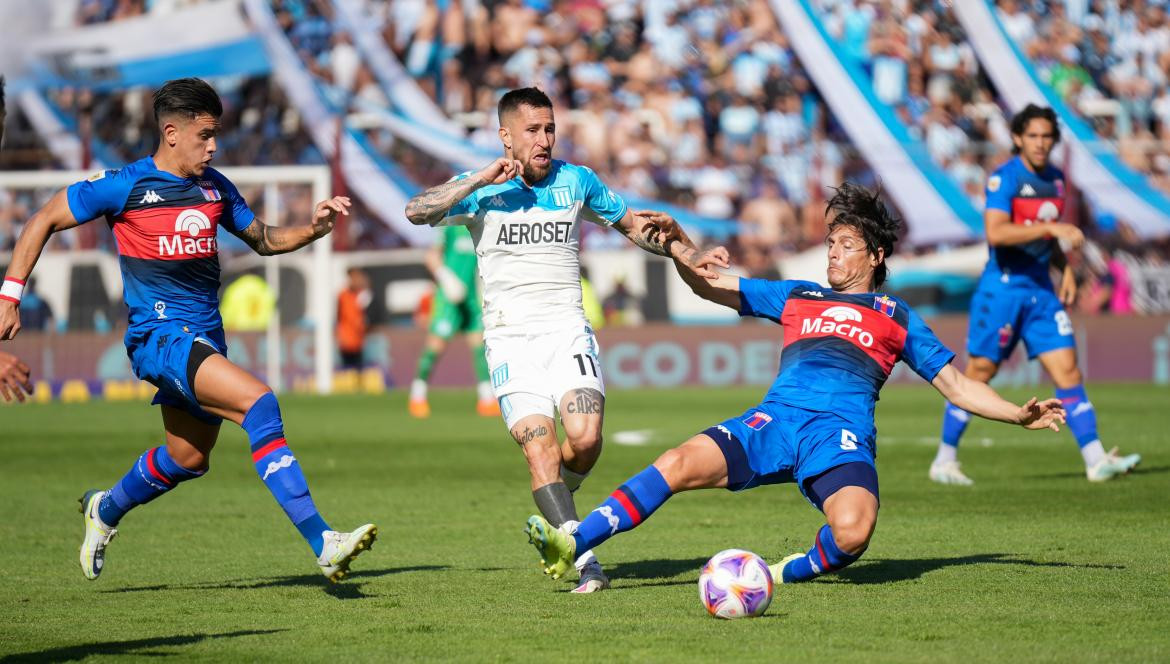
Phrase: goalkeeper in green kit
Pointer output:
(455, 309)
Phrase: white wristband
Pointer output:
(12, 290)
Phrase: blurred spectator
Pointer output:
(35, 312)
(352, 322)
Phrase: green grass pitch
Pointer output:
(1031, 564)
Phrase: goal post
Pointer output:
(321, 282)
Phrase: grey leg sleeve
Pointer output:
(555, 503)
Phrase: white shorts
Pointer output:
(533, 369)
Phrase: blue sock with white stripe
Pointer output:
(280, 471)
(629, 505)
(955, 421)
(152, 475)
(1082, 418)
(822, 558)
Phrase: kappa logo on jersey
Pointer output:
(812, 293)
(210, 193)
(192, 223)
(758, 420)
(838, 320)
(497, 201)
(562, 197)
(150, 198)
(276, 466)
(535, 233)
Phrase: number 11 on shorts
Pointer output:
(581, 364)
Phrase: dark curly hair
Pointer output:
(863, 209)
(1032, 112)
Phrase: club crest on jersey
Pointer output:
(210, 193)
(562, 197)
(885, 305)
(758, 420)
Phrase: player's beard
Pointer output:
(534, 173)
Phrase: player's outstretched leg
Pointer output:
(153, 474)
(281, 473)
(852, 514)
(631, 504)
(945, 467)
(1100, 465)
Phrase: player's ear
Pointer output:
(170, 134)
(506, 137)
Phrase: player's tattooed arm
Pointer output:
(271, 240)
(430, 206)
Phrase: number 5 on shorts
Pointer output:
(848, 440)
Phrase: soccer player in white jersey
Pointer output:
(524, 212)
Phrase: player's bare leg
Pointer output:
(851, 513)
(582, 416)
(945, 469)
(433, 349)
(228, 391)
(1061, 365)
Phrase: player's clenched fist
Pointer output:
(500, 171)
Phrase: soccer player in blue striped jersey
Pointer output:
(1016, 300)
(815, 426)
(164, 211)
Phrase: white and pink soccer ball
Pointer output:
(735, 584)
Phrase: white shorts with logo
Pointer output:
(533, 368)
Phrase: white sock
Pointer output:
(572, 479)
(484, 389)
(584, 560)
(418, 390)
(946, 454)
(1093, 453)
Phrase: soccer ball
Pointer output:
(735, 584)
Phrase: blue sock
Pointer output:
(279, 470)
(152, 475)
(1082, 418)
(822, 558)
(955, 421)
(631, 504)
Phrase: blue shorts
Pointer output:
(1001, 317)
(163, 358)
(776, 443)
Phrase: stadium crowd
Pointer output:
(701, 103)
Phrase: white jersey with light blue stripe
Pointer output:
(527, 240)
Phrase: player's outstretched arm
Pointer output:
(1002, 232)
(978, 398)
(658, 233)
(54, 216)
(270, 240)
(14, 378)
(430, 206)
(721, 288)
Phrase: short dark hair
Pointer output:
(514, 99)
(186, 97)
(864, 210)
(1031, 112)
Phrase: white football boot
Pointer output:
(97, 535)
(948, 472)
(341, 548)
(1112, 466)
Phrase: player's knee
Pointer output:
(1066, 377)
(852, 530)
(583, 434)
(194, 460)
(981, 369)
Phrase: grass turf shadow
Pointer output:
(138, 647)
(1153, 470)
(908, 569)
(659, 572)
(348, 589)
